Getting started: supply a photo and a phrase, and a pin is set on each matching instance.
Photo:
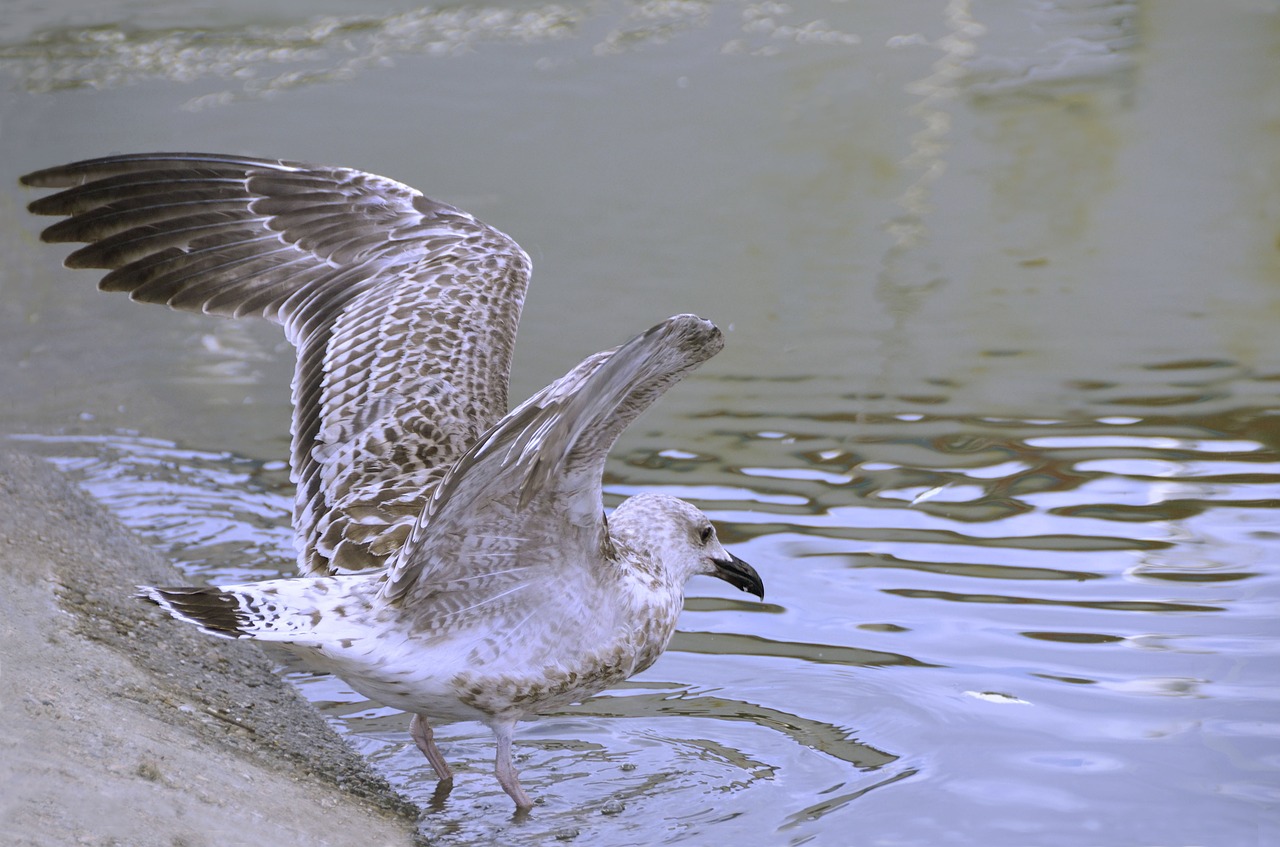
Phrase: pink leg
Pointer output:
(421, 733)
(505, 770)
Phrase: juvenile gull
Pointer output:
(461, 564)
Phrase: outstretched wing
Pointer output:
(403, 312)
(526, 498)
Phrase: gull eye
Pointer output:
(705, 535)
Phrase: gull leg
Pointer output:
(421, 733)
(505, 770)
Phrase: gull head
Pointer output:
(681, 540)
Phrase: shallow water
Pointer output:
(996, 419)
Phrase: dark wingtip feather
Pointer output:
(44, 178)
(76, 173)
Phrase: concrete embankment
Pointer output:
(120, 727)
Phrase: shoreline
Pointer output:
(125, 728)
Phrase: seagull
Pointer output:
(457, 561)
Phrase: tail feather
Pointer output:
(213, 610)
(296, 611)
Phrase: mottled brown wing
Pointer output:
(403, 312)
(523, 506)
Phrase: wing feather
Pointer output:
(529, 490)
(403, 312)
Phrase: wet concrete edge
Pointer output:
(222, 694)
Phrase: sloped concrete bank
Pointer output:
(118, 726)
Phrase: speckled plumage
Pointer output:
(403, 312)
(490, 584)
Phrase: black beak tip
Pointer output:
(740, 575)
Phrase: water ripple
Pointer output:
(941, 590)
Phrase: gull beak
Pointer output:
(739, 574)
